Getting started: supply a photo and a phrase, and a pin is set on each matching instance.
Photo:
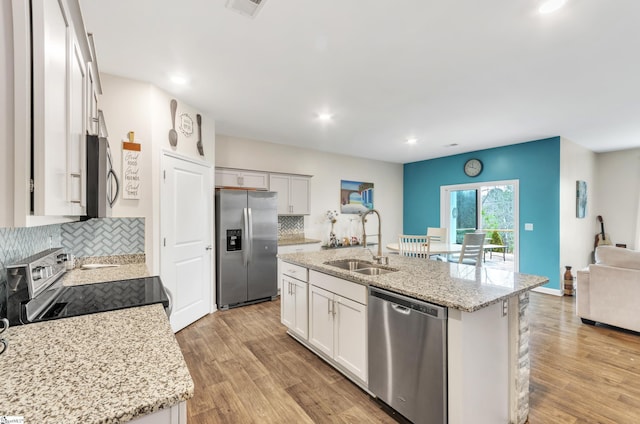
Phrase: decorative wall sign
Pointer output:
(355, 197)
(581, 199)
(186, 124)
(131, 158)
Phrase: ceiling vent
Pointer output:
(248, 8)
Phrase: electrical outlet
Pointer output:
(528, 227)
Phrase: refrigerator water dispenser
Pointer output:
(234, 240)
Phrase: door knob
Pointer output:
(208, 247)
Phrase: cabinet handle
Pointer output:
(75, 190)
(329, 306)
(333, 309)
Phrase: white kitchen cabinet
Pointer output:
(338, 321)
(242, 179)
(59, 104)
(293, 193)
(295, 310)
(94, 88)
(294, 298)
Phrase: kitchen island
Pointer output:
(487, 327)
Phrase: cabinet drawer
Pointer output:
(299, 248)
(354, 291)
(295, 271)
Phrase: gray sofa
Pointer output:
(609, 290)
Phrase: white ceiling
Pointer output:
(477, 73)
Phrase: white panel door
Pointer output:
(351, 336)
(186, 236)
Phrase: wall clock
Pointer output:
(473, 167)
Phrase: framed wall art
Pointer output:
(581, 199)
(355, 197)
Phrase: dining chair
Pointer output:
(472, 249)
(438, 235)
(413, 245)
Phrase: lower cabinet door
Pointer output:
(288, 302)
(301, 309)
(350, 347)
(321, 319)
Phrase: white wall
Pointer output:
(130, 105)
(6, 115)
(618, 195)
(327, 170)
(576, 234)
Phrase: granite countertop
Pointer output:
(102, 368)
(79, 276)
(289, 241)
(464, 287)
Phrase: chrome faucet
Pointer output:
(383, 260)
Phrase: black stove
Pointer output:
(102, 297)
(35, 293)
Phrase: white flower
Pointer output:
(332, 215)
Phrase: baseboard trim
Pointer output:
(554, 292)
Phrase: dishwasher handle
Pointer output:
(401, 309)
(408, 303)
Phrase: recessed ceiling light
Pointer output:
(178, 79)
(412, 140)
(325, 116)
(550, 6)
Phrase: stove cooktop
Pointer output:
(102, 297)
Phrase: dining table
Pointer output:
(440, 248)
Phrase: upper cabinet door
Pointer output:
(60, 108)
(299, 195)
(293, 193)
(280, 184)
(51, 68)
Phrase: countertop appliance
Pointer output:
(102, 183)
(408, 355)
(35, 292)
(246, 247)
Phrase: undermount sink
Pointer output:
(374, 271)
(360, 266)
(351, 264)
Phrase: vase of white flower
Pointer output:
(332, 216)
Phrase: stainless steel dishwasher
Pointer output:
(408, 355)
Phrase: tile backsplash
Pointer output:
(290, 226)
(104, 237)
(95, 237)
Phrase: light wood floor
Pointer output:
(247, 370)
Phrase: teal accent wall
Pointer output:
(535, 164)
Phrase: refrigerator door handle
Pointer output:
(245, 236)
(250, 244)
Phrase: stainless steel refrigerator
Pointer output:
(246, 247)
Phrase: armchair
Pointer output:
(609, 290)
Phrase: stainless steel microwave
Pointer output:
(103, 186)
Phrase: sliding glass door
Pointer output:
(490, 207)
(463, 213)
